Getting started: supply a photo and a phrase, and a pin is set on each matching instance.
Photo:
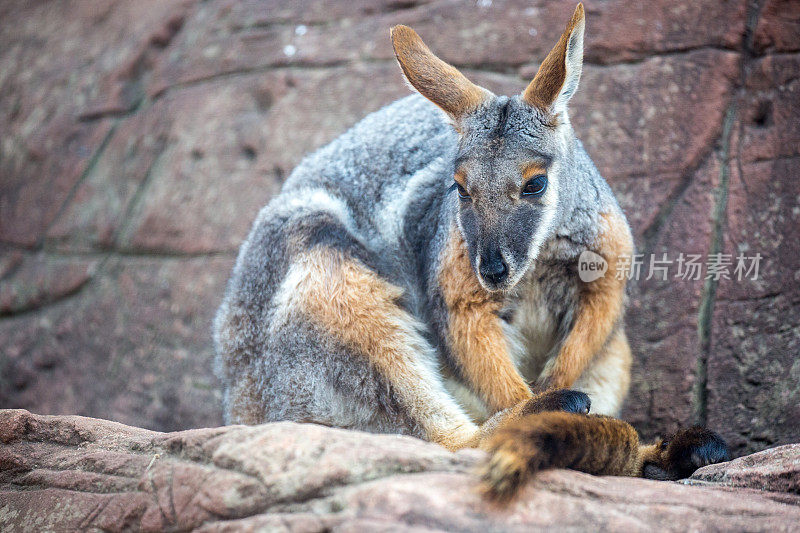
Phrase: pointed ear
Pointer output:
(558, 76)
(437, 81)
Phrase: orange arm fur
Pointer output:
(600, 307)
(475, 334)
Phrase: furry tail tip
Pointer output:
(502, 476)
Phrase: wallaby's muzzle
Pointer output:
(493, 268)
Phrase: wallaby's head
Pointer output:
(512, 166)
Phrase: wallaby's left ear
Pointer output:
(558, 76)
(436, 80)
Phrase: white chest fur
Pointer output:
(534, 332)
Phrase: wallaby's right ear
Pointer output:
(437, 81)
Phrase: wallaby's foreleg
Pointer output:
(592, 444)
(474, 331)
(607, 377)
(600, 307)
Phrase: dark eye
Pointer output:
(462, 192)
(535, 186)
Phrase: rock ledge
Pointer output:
(71, 472)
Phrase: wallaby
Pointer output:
(419, 275)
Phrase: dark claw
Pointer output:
(693, 448)
(574, 401)
(571, 401)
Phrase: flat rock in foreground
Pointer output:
(69, 472)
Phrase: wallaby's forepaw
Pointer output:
(685, 451)
(571, 401)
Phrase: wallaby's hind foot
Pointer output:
(679, 455)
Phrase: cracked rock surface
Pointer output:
(139, 140)
(73, 473)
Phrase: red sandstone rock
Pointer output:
(776, 470)
(75, 473)
(778, 27)
(132, 345)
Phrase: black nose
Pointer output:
(493, 269)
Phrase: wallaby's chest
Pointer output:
(540, 315)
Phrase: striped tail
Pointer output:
(592, 444)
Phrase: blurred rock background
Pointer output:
(138, 139)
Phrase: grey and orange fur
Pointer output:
(419, 275)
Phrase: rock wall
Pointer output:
(139, 139)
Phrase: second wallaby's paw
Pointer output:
(685, 451)
(571, 401)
